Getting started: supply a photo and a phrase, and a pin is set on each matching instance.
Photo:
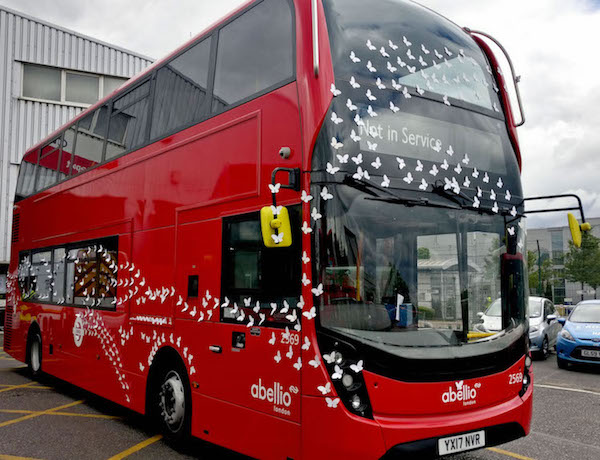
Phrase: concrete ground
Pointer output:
(50, 419)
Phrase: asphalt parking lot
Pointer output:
(50, 419)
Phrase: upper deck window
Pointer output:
(255, 52)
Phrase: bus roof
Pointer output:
(141, 75)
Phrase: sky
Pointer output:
(553, 44)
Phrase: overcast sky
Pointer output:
(554, 45)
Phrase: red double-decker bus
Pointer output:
(279, 238)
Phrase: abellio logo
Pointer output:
(276, 395)
(463, 392)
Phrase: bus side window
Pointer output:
(24, 274)
(252, 273)
(58, 272)
(255, 52)
(41, 275)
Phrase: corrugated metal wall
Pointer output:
(24, 123)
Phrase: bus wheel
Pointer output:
(34, 357)
(172, 403)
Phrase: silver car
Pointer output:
(543, 324)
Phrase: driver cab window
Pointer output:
(258, 280)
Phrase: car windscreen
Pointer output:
(586, 314)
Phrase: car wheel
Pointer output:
(171, 401)
(34, 358)
(545, 351)
(562, 364)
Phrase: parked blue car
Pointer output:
(579, 340)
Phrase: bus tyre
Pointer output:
(34, 354)
(172, 403)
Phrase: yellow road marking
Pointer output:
(12, 457)
(37, 414)
(508, 453)
(12, 387)
(43, 387)
(13, 368)
(68, 414)
(140, 446)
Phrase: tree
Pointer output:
(583, 264)
(534, 272)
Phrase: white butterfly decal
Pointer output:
(326, 389)
(371, 112)
(405, 93)
(425, 50)
(495, 207)
(350, 105)
(486, 178)
(408, 179)
(354, 136)
(370, 67)
(419, 167)
(358, 120)
(311, 313)
(256, 308)
(458, 168)
(276, 211)
(331, 169)
(391, 68)
(277, 357)
(336, 92)
(400, 62)
(305, 280)
(292, 317)
(358, 367)
(511, 231)
(393, 108)
(370, 96)
(507, 195)
(298, 364)
(423, 185)
(401, 163)
(335, 144)
(476, 202)
(513, 211)
(437, 55)
(285, 308)
(386, 181)
(446, 101)
(479, 192)
(360, 173)
(406, 42)
(315, 214)
(274, 188)
(409, 54)
(358, 159)
(354, 83)
(306, 228)
(411, 69)
(305, 196)
(396, 86)
(437, 147)
(379, 84)
(343, 159)
(499, 183)
(448, 52)
(332, 402)
(422, 61)
(336, 120)
(353, 57)
(492, 194)
(475, 173)
(466, 182)
(383, 52)
(315, 362)
(434, 170)
(306, 345)
(377, 163)
(290, 353)
(371, 145)
(250, 322)
(329, 358)
(337, 373)
(278, 238)
(420, 90)
(318, 290)
(370, 45)
(392, 45)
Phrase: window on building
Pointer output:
(255, 52)
(557, 247)
(66, 86)
(255, 274)
(180, 92)
(40, 82)
(82, 88)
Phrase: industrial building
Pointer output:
(48, 75)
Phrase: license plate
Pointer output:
(590, 353)
(461, 442)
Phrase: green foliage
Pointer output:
(426, 312)
(423, 253)
(533, 268)
(583, 264)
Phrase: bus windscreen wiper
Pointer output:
(391, 197)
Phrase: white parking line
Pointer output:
(576, 390)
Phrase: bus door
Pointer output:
(249, 349)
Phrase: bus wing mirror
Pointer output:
(576, 229)
(275, 227)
